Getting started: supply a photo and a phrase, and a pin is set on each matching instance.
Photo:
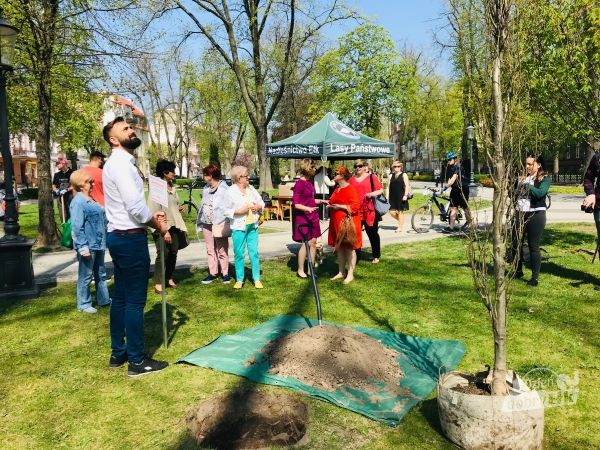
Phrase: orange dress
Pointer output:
(344, 196)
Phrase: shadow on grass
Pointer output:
(579, 277)
(153, 325)
(429, 410)
(47, 312)
(567, 238)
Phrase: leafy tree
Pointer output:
(562, 64)
(363, 80)
(50, 89)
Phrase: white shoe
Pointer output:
(89, 310)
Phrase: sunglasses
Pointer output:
(395, 166)
(358, 166)
(244, 176)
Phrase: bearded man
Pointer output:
(128, 216)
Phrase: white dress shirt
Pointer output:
(322, 183)
(124, 200)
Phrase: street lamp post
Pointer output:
(16, 266)
(472, 184)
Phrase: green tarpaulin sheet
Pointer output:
(330, 139)
(420, 359)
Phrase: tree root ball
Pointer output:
(248, 420)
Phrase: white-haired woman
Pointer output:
(244, 205)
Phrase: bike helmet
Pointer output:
(450, 155)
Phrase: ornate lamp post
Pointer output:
(472, 184)
(16, 267)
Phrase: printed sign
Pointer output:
(158, 190)
(344, 130)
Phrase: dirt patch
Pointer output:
(248, 420)
(329, 357)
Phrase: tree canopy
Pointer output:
(363, 80)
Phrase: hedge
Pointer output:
(425, 177)
(184, 181)
(28, 194)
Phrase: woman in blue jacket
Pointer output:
(88, 224)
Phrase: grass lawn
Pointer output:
(566, 189)
(56, 389)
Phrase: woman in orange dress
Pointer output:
(344, 201)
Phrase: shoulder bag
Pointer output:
(182, 239)
(221, 230)
(381, 204)
(346, 235)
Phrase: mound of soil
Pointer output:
(250, 419)
(329, 357)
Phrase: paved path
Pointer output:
(62, 266)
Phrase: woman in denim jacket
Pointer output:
(88, 224)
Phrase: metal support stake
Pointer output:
(161, 243)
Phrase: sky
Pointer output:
(412, 23)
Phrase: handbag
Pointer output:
(221, 230)
(182, 239)
(66, 239)
(346, 235)
(381, 204)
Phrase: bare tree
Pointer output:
(488, 53)
(160, 85)
(239, 32)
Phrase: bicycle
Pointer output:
(422, 218)
(190, 208)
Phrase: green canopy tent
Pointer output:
(330, 139)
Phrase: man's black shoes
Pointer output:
(117, 361)
(148, 365)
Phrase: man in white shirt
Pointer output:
(127, 243)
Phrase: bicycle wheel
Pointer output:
(422, 219)
(190, 214)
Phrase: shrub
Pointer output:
(183, 181)
(486, 182)
(28, 194)
(423, 177)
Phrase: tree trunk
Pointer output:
(47, 236)
(499, 386)
(263, 162)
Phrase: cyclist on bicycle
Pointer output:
(459, 191)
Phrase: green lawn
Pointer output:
(566, 189)
(56, 390)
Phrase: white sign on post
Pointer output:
(158, 191)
